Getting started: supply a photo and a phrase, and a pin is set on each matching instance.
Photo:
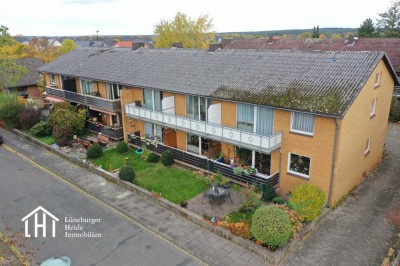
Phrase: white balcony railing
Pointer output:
(213, 131)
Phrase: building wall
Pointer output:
(181, 140)
(102, 89)
(56, 77)
(319, 148)
(33, 91)
(228, 113)
(130, 95)
(357, 126)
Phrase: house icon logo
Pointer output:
(38, 225)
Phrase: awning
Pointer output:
(53, 99)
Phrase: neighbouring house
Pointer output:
(90, 43)
(27, 86)
(295, 116)
(129, 44)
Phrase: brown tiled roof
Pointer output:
(391, 46)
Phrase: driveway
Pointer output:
(357, 232)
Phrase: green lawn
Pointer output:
(48, 139)
(239, 216)
(173, 183)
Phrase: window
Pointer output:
(113, 91)
(87, 87)
(299, 165)
(245, 117)
(196, 107)
(152, 99)
(265, 121)
(378, 79)
(302, 123)
(193, 144)
(367, 146)
(152, 131)
(52, 79)
(373, 107)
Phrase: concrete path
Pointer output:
(193, 238)
(357, 233)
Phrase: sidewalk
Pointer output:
(195, 239)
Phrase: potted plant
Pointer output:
(238, 170)
(249, 170)
(221, 157)
(184, 204)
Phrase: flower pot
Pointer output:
(184, 204)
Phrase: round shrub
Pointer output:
(271, 225)
(267, 191)
(41, 129)
(167, 158)
(29, 117)
(122, 147)
(308, 200)
(153, 158)
(126, 173)
(94, 151)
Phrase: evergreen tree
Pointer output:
(367, 28)
(389, 22)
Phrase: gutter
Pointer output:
(333, 163)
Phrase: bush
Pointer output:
(122, 147)
(28, 118)
(126, 173)
(67, 122)
(271, 225)
(267, 191)
(41, 129)
(394, 114)
(308, 200)
(11, 107)
(94, 151)
(278, 200)
(153, 158)
(167, 158)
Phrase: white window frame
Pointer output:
(373, 107)
(299, 131)
(378, 79)
(52, 79)
(296, 173)
(368, 147)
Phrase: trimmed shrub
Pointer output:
(271, 225)
(126, 173)
(267, 191)
(122, 147)
(153, 158)
(167, 158)
(278, 200)
(308, 200)
(28, 118)
(11, 107)
(41, 129)
(394, 114)
(94, 151)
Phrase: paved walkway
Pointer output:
(357, 232)
(193, 238)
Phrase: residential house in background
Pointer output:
(130, 44)
(27, 85)
(90, 43)
(295, 116)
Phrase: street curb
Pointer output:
(270, 256)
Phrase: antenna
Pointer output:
(97, 39)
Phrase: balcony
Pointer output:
(252, 141)
(115, 133)
(88, 100)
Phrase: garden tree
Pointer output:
(11, 107)
(67, 45)
(192, 33)
(67, 122)
(315, 32)
(389, 21)
(367, 28)
(41, 83)
(305, 35)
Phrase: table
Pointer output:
(216, 192)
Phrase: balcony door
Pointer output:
(196, 107)
(113, 91)
(255, 119)
(152, 99)
(87, 86)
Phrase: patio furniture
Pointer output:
(228, 194)
(103, 140)
(216, 200)
(216, 195)
(205, 196)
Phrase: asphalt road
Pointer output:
(25, 186)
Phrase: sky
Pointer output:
(134, 17)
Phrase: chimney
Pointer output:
(177, 44)
(350, 39)
(270, 39)
(214, 46)
(137, 45)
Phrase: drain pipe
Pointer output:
(333, 162)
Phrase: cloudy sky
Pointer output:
(134, 17)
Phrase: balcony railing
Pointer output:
(233, 136)
(207, 164)
(88, 100)
(111, 132)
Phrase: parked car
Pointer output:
(1, 139)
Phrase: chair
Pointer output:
(227, 194)
(216, 200)
(204, 196)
